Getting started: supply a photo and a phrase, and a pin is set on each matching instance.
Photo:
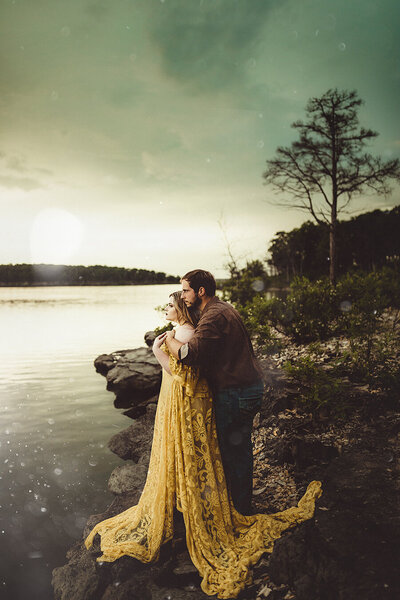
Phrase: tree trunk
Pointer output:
(332, 253)
(333, 224)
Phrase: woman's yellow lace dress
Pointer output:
(186, 471)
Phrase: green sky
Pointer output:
(131, 128)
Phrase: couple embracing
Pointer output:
(201, 459)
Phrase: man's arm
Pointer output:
(204, 343)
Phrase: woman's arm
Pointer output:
(160, 355)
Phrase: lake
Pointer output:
(56, 418)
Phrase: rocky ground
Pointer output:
(349, 550)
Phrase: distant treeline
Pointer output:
(25, 274)
(367, 242)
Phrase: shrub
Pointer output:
(313, 306)
(362, 299)
(256, 316)
(375, 360)
(316, 310)
(163, 328)
(318, 386)
(245, 284)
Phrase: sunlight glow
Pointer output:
(55, 236)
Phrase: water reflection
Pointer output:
(56, 418)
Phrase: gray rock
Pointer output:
(127, 590)
(127, 478)
(135, 441)
(131, 374)
(78, 579)
(174, 593)
(118, 505)
(104, 363)
(149, 338)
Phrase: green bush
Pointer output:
(245, 284)
(307, 314)
(316, 310)
(319, 387)
(160, 330)
(362, 299)
(256, 316)
(375, 360)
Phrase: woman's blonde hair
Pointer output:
(184, 314)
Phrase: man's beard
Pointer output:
(195, 304)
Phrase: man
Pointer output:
(222, 348)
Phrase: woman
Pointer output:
(186, 472)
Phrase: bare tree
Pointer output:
(326, 168)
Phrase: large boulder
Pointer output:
(149, 338)
(79, 578)
(133, 375)
(171, 576)
(134, 442)
(127, 478)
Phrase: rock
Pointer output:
(79, 578)
(104, 363)
(82, 578)
(173, 593)
(265, 591)
(149, 338)
(119, 504)
(185, 566)
(135, 441)
(129, 589)
(127, 478)
(138, 411)
(133, 375)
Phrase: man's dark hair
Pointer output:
(199, 278)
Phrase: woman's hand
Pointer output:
(169, 334)
(160, 339)
(161, 355)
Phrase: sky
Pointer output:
(135, 133)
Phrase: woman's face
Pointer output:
(170, 312)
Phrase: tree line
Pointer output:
(42, 274)
(366, 242)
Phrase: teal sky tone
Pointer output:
(132, 128)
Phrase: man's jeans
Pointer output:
(235, 409)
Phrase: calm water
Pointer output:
(56, 418)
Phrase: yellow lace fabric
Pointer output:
(186, 471)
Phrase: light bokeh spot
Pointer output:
(56, 235)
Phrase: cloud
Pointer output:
(17, 174)
(23, 183)
(155, 168)
(210, 44)
(97, 9)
